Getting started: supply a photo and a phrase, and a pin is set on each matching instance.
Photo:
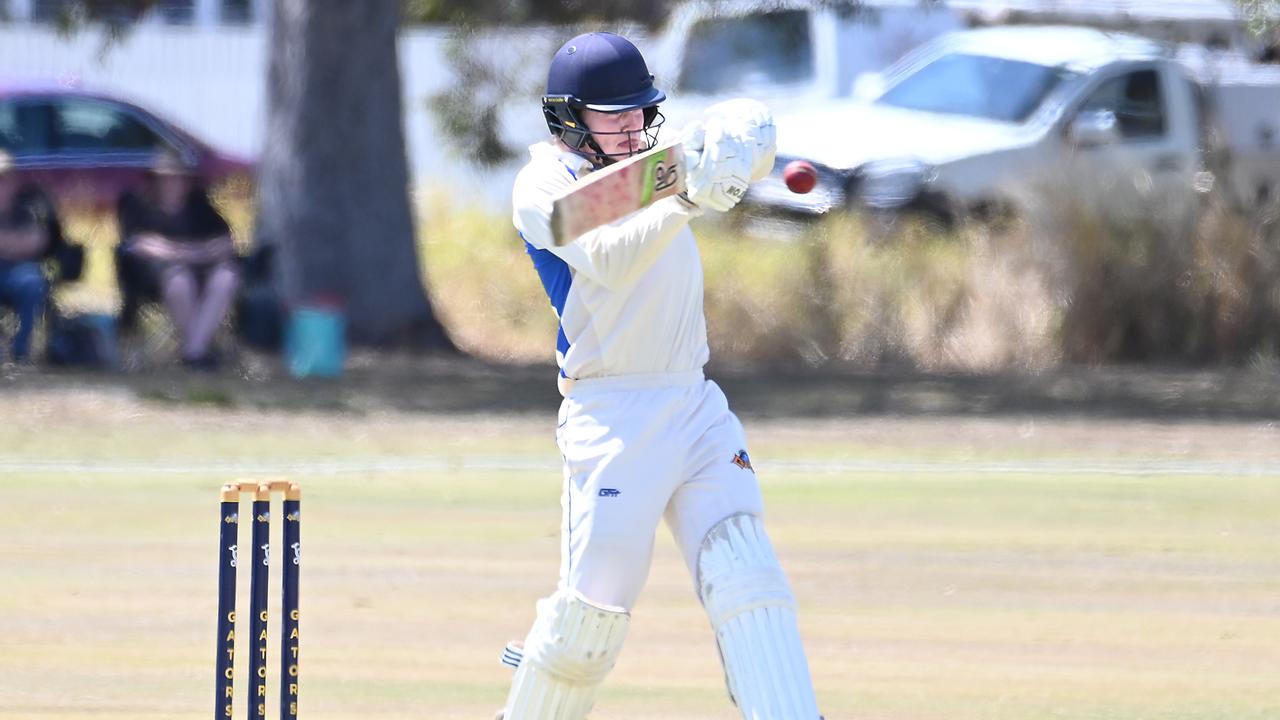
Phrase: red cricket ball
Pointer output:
(800, 176)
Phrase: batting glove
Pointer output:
(719, 168)
(751, 122)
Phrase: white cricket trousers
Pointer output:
(638, 448)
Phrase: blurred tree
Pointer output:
(487, 74)
(468, 111)
(1262, 18)
(114, 15)
(333, 180)
(524, 12)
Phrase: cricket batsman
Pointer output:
(643, 434)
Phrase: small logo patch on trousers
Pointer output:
(609, 492)
(743, 460)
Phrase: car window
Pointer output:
(90, 125)
(977, 86)
(177, 12)
(25, 127)
(729, 53)
(237, 12)
(49, 10)
(1136, 101)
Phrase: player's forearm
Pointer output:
(205, 251)
(23, 244)
(154, 247)
(620, 251)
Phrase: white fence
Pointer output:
(212, 82)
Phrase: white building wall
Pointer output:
(20, 9)
(208, 80)
(212, 82)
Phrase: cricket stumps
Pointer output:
(259, 585)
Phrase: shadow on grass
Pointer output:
(467, 386)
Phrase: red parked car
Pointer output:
(85, 148)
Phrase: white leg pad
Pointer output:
(753, 613)
(570, 649)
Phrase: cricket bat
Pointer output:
(618, 190)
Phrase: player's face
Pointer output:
(618, 134)
(172, 191)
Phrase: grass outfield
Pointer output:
(973, 586)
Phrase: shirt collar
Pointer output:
(575, 163)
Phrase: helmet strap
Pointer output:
(598, 157)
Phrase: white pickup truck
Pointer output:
(1012, 117)
(784, 51)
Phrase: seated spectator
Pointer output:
(173, 233)
(24, 239)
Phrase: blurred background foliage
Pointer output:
(524, 12)
(972, 298)
(976, 298)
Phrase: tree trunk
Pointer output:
(334, 181)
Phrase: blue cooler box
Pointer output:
(316, 341)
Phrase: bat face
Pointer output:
(618, 190)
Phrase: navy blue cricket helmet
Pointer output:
(598, 71)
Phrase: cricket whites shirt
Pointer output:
(629, 294)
